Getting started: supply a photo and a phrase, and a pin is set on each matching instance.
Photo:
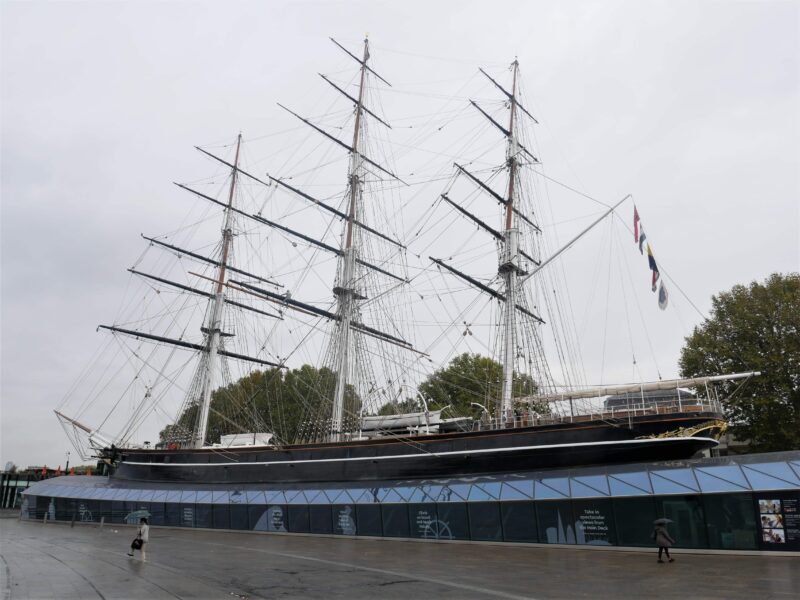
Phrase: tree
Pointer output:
(292, 404)
(471, 378)
(754, 328)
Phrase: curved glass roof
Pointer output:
(755, 472)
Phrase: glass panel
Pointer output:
(589, 486)
(771, 476)
(157, 513)
(452, 523)
(492, 488)
(238, 497)
(320, 518)
(333, 496)
(160, 496)
(688, 521)
(239, 517)
(204, 496)
(368, 517)
(395, 520)
(634, 519)
(477, 493)
(425, 493)
(519, 521)
(390, 495)
(221, 516)
(202, 516)
(254, 497)
(727, 478)
(349, 496)
(188, 497)
(315, 497)
(146, 495)
(344, 519)
(267, 518)
(594, 522)
(275, 497)
(458, 492)
(731, 521)
(121, 494)
(630, 484)
(484, 521)
(422, 518)
(519, 490)
(172, 515)
(174, 496)
(556, 525)
(674, 481)
(220, 498)
(365, 496)
(298, 519)
(554, 487)
(294, 497)
(405, 492)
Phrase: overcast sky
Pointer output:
(692, 107)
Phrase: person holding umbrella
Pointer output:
(662, 538)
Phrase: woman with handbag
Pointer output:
(142, 537)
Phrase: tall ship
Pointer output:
(217, 338)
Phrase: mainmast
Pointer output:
(509, 268)
(213, 327)
(345, 291)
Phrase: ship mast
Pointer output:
(509, 268)
(213, 327)
(345, 290)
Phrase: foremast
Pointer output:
(213, 326)
(346, 295)
(509, 268)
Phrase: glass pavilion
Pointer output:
(735, 503)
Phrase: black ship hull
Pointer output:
(440, 455)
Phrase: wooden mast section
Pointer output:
(213, 328)
(345, 291)
(509, 264)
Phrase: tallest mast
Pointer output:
(345, 292)
(510, 263)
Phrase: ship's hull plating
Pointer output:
(442, 455)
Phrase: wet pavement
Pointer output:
(57, 562)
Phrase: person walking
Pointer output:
(662, 538)
(142, 537)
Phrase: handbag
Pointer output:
(137, 544)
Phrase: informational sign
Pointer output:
(188, 516)
(779, 520)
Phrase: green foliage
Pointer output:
(275, 400)
(471, 378)
(755, 328)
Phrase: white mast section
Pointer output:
(509, 268)
(214, 324)
(345, 292)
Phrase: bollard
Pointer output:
(73, 520)
(102, 522)
(44, 521)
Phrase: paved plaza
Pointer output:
(59, 562)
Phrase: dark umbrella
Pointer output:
(662, 521)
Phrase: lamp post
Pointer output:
(66, 469)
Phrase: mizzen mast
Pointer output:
(213, 327)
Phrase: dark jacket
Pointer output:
(662, 537)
